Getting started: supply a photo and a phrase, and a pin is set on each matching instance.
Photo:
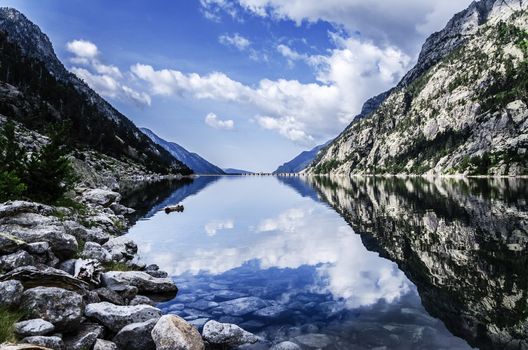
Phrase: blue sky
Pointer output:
(244, 83)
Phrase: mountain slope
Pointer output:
(192, 160)
(301, 162)
(231, 171)
(37, 90)
(462, 109)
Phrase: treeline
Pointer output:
(43, 176)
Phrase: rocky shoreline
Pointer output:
(74, 281)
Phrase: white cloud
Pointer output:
(107, 80)
(236, 40)
(211, 228)
(82, 48)
(214, 122)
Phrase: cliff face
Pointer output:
(463, 243)
(37, 90)
(462, 108)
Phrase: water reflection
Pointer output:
(463, 243)
(253, 252)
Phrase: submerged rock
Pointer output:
(226, 334)
(242, 306)
(172, 332)
(272, 312)
(10, 293)
(286, 345)
(314, 340)
(61, 307)
(142, 280)
(33, 327)
(136, 336)
(115, 317)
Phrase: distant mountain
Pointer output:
(37, 90)
(301, 162)
(230, 171)
(192, 160)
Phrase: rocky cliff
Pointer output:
(461, 110)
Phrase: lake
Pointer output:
(338, 263)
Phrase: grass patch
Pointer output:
(8, 318)
(118, 266)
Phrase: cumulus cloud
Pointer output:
(214, 122)
(211, 228)
(107, 80)
(236, 40)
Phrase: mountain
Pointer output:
(301, 162)
(38, 91)
(231, 171)
(192, 160)
(461, 110)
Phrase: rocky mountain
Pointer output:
(462, 243)
(38, 91)
(301, 162)
(192, 160)
(461, 110)
(231, 171)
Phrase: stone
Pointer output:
(9, 243)
(88, 270)
(223, 295)
(136, 336)
(109, 295)
(95, 251)
(101, 344)
(141, 299)
(68, 266)
(97, 235)
(10, 293)
(20, 346)
(34, 327)
(242, 306)
(314, 340)
(202, 304)
(158, 274)
(52, 342)
(13, 208)
(14, 260)
(227, 334)
(101, 197)
(62, 308)
(38, 248)
(174, 333)
(286, 345)
(85, 337)
(45, 276)
(121, 248)
(199, 323)
(272, 312)
(115, 317)
(142, 280)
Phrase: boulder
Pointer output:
(136, 336)
(62, 244)
(85, 337)
(121, 248)
(141, 299)
(14, 260)
(101, 344)
(13, 208)
(10, 293)
(115, 317)
(53, 342)
(33, 327)
(68, 266)
(63, 308)
(111, 296)
(100, 197)
(226, 334)
(87, 235)
(38, 248)
(174, 333)
(45, 276)
(286, 345)
(144, 282)
(88, 270)
(97, 235)
(95, 251)
(242, 306)
(9, 243)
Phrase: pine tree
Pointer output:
(11, 164)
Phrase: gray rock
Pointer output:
(202, 304)
(286, 345)
(141, 300)
(158, 274)
(62, 244)
(14, 260)
(226, 334)
(88, 270)
(13, 208)
(242, 306)
(314, 340)
(97, 235)
(9, 243)
(174, 333)
(68, 266)
(10, 293)
(121, 248)
(142, 280)
(33, 327)
(95, 251)
(199, 323)
(45, 276)
(61, 307)
(272, 312)
(100, 197)
(38, 248)
(115, 317)
(85, 337)
(136, 336)
(109, 295)
(53, 342)
(101, 344)
(223, 295)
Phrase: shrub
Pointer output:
(8, 318)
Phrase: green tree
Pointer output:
(11, 164)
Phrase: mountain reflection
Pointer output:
(463, 243)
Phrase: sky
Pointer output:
(246, 84)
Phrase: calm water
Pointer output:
(336, 263)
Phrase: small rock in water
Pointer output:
(10, 293)
(136, 336)
(242, 306)
(202, 304)
(272, 312)
(286, 345)
(172, 332)
(314, 340)
(33, 327)
(224, 295)
(226, 334)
